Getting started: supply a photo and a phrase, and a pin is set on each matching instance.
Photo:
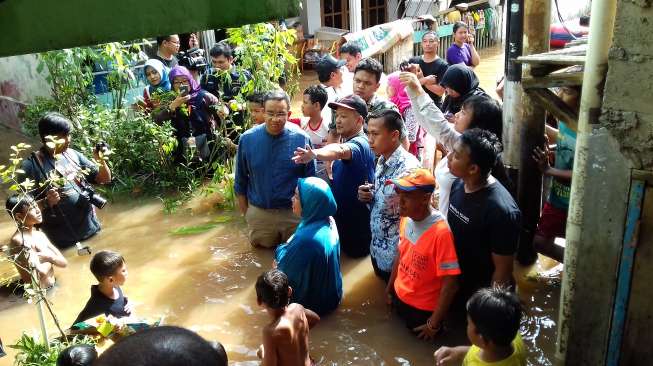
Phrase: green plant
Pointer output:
(265, 52)
(35, 353)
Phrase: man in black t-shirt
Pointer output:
(483, 216)
(432, 66)
(167, 49)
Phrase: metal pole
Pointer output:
(596, 66)
(512, 86)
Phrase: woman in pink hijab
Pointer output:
(397, 94)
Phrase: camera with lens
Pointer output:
(89, 194)
(193, 59)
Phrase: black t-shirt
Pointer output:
(99, 304)
(168, 63)
(436, 67)
(483, 223)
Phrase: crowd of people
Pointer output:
(347, 175)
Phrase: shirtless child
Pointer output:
(285, 339)
(30, 246)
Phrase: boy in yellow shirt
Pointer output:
(493, 319)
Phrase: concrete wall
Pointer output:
(311, 15)
(20, 83)
(621, 139)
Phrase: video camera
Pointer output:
(193, 59)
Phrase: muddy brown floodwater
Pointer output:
(206, 282)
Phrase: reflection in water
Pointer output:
(206, 282)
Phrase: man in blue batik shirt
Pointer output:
(266, 176)
(385, 132)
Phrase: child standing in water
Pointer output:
(32, 247)
(493, 319)
(107, 298)
(285, 339)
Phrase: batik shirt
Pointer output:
(384, 218)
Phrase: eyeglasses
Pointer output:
(279, 115)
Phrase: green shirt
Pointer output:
(564, 160)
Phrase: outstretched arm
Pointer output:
(428, 115)
(327, 153)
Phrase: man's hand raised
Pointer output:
(303, 155)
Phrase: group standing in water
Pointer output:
(442, 240)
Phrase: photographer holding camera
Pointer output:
(68, 198)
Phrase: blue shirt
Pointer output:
(385, 206)
(353, 216)
(265, 172)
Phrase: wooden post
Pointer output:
(537, 14)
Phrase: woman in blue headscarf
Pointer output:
(311, 257)
(157, 76)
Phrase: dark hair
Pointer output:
(431, 33)
(272, 289)
(484, 148)
(279, 95)
(372, 66)
(350, 48)
(221, 49)
(17, 203)
(584, 20)
(105, 263)
(77, 355)
(318, 95)
(459, 25)
(162, 346)
(296, 25)
(496, 313)
(160, 39)
(487, 114)
(392, 120)
(54, 123)
(324, 74)
(256, 97)
(221, 351)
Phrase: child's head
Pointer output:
(493, 317)
(256, 107)
(272, 289)
(480, 112)
(24, 210)
(162, 346)
(109, 268)
(570, 95)
(315, 99)
(77, 355)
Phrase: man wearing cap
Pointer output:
(385, 130)
(329, 73)
(266, 177)
(423, 282)
(353, 166)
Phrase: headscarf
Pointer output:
(463, 80)
(311, 257)
(316, 199)
(182, 71)
(400, 99)
(159, 67)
